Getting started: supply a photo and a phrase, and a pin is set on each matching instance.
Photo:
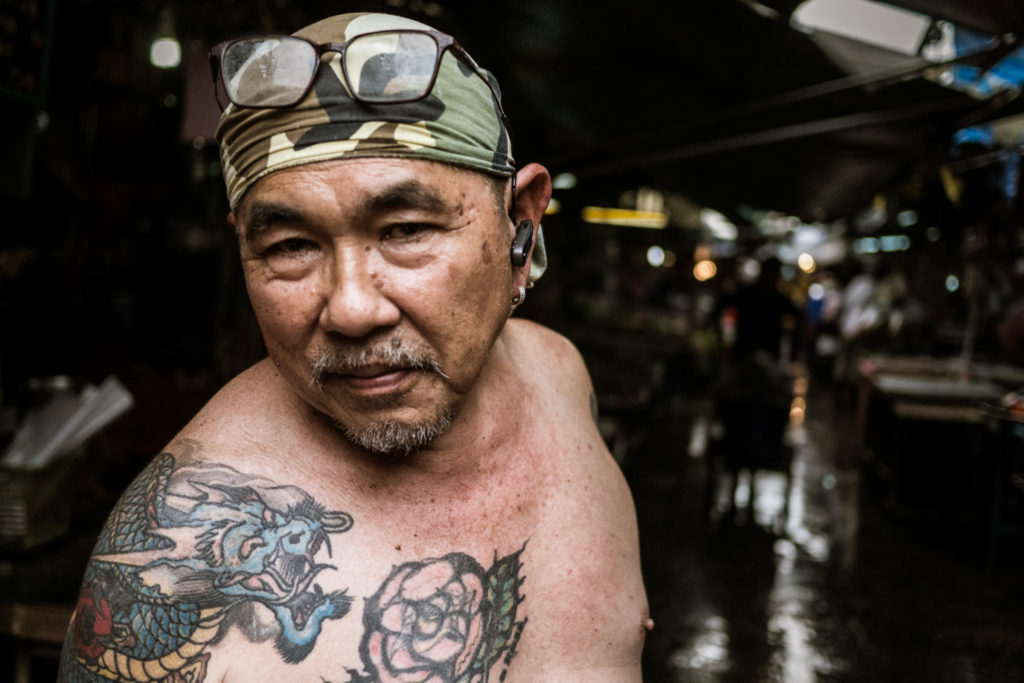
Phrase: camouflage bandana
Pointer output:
(457, 123)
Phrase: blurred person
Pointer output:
(877, 314)
(412, 486)
(752, 395)
(764, 318)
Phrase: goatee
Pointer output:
(384, 437)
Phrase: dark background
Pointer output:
(116, 258)
(115, 247)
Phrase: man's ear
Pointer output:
(533, 192)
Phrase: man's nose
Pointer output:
(356, 303)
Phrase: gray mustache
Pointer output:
(393, 356)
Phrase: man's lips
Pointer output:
(373, 377)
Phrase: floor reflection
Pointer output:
(745, 587)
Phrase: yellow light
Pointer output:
(702, 253)
(625, 217)
(798, 410)
(806, 262)
(554, 206)
(704, 270)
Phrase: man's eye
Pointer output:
(406, 230)
(293, 245)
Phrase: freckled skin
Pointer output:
(440, 291)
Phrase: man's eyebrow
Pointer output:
(260, 216)
(409, 194)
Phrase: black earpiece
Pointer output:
(521, 243)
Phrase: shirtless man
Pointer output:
(412, 486)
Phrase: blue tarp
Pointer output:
(1006, 75)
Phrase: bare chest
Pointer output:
(447, 585)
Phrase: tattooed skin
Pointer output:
(442, 621)
(186, 550)
(191, 550)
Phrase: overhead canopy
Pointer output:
(726, 101)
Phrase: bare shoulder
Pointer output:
(254, 400)
(192, 547)
(546, 346)
(208, 542)
(549, 358)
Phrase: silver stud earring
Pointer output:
(519, 297)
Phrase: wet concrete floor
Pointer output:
(837, 590)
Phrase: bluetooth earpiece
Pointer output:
(521, 243)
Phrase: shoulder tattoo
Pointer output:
(191, 551)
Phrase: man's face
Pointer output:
(380, 286)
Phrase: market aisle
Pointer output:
(837, 592)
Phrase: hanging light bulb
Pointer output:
(165, 50)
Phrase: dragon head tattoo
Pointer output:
(188, 549)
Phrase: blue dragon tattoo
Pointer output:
(188, 552)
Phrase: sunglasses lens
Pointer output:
(391, 67)
(268, 72)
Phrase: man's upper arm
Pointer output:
(185, 544)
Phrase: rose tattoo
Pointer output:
(443, 620)
(428, 620)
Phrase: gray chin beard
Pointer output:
(397, 439)
(386, 437)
